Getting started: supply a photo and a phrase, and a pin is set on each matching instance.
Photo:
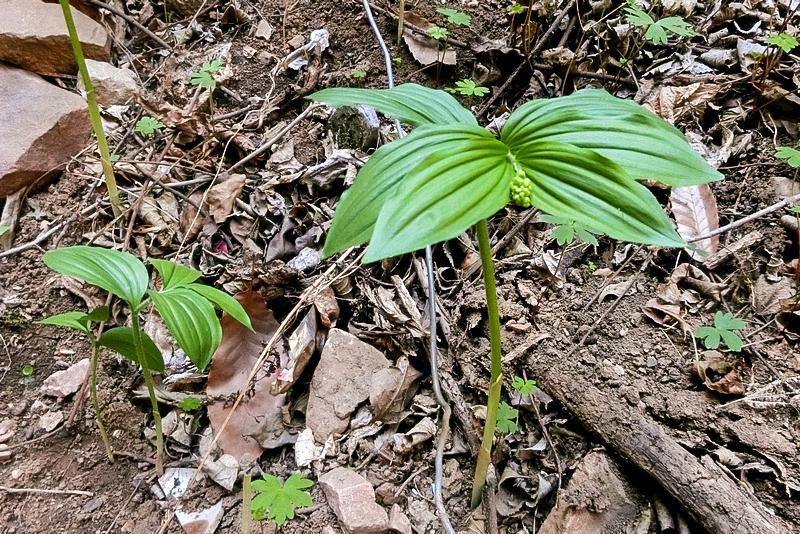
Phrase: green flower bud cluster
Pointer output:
(521, 190)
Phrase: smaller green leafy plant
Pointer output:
(783, 40)
(468, 87)
(27, 371)
(507, 418)
(591, 266)
(790, 155)
(515, 9)
(454, 16)
(148, 126)
(724, 328)
(524, 386)
(439, 33)
(657, 29)
(190, 404)
(566, 230)
(204, 76)
(358, 74)
(794, 209)
(279, 501)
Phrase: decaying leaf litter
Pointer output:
(616, 320)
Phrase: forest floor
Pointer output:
(618, 318)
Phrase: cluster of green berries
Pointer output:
(521, 190)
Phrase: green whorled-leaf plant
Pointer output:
(580, 157)
(187, 308)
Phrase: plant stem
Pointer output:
(151, 390)
(401, 20)
(94, 110)
(495, 385)
(247, 497)
(98, 416)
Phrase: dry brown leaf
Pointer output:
(767, 296)
(426, 50)
(227, 376)
(218, 205)
(695, 211)
(718, 374)
(328, 308)
(671, 102)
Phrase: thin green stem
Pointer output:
(247, 497)
(495, 385)
(151, 390)
(94, 110)
(98, 416)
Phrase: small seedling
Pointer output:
(591, 266)
(794, 209)
(657, 29)
(515, 9)
(27, 373)
(438, 33)
(148, 126)
(723, 330)
(279, 501)
(358, 74)
(783, 40)
(524, 386)
(186, 307)
(790, 155)
(454, 16)
(578, 157)
(468, 87)
(4, 228)
(507, 418)
(190, 404)
(566, 230)
(204, 76)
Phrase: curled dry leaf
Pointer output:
(718, 374)
(327, 307)
(695, 211)
(218, 205)
(302, 344)
(232, 362)
(426, 50)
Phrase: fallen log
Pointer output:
(705, 492)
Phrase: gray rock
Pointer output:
(66, 382)
(355, 127)
(352, 499)
(50, 420)
(112, 86)
(43, 126)
(341, 382)
(33, 35)
(203, 521)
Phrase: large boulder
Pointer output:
(33, 35)
(42, 127)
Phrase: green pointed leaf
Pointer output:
(726, 321)
(119, 273)
(175, 275)
(564, 234)
(733, 341)
(444, 195)
(376, 182)
(223, 301)
(190, 318)
(656, 34)
(98, 314)
(74, 319)
(410, 103)
(645, 145)
(589, 189)
(678, 26)
(120, 340)
(586, 236)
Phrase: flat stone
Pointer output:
(224, 471)
(43, 126)
(175, 481)
(33, 35)
(341, 382)
(203, 521)
(399, 521)
(66, 382)
(352, 499)
(50, 420)
(112, 86)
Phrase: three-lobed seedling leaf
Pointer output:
(459, 18)
(723, 330)
(468, 87)
(524, 386)
(790, 155)
(148, 126)
(566, 230)
(783, 40)
(279, 501)
(204, 76)
(507, 418)
(190, 404)
(657, 29)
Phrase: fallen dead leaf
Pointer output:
(695, 211)
(718, 374)
(426, 50)
(218, 205)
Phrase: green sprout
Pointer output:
(185, 306)
(507, 418)
(4, 229)
(455, 17)
(790, 155)
(524, 386)
(468, 87)
(783, 40)
(515, 9)
(277, 500)
(148, 126)
(657, 29)
(450, 174)
(566, 230)
(190, 404)
(438, 33)
(204, 76)
(358, 74)
(27, 373)
(723, 330)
